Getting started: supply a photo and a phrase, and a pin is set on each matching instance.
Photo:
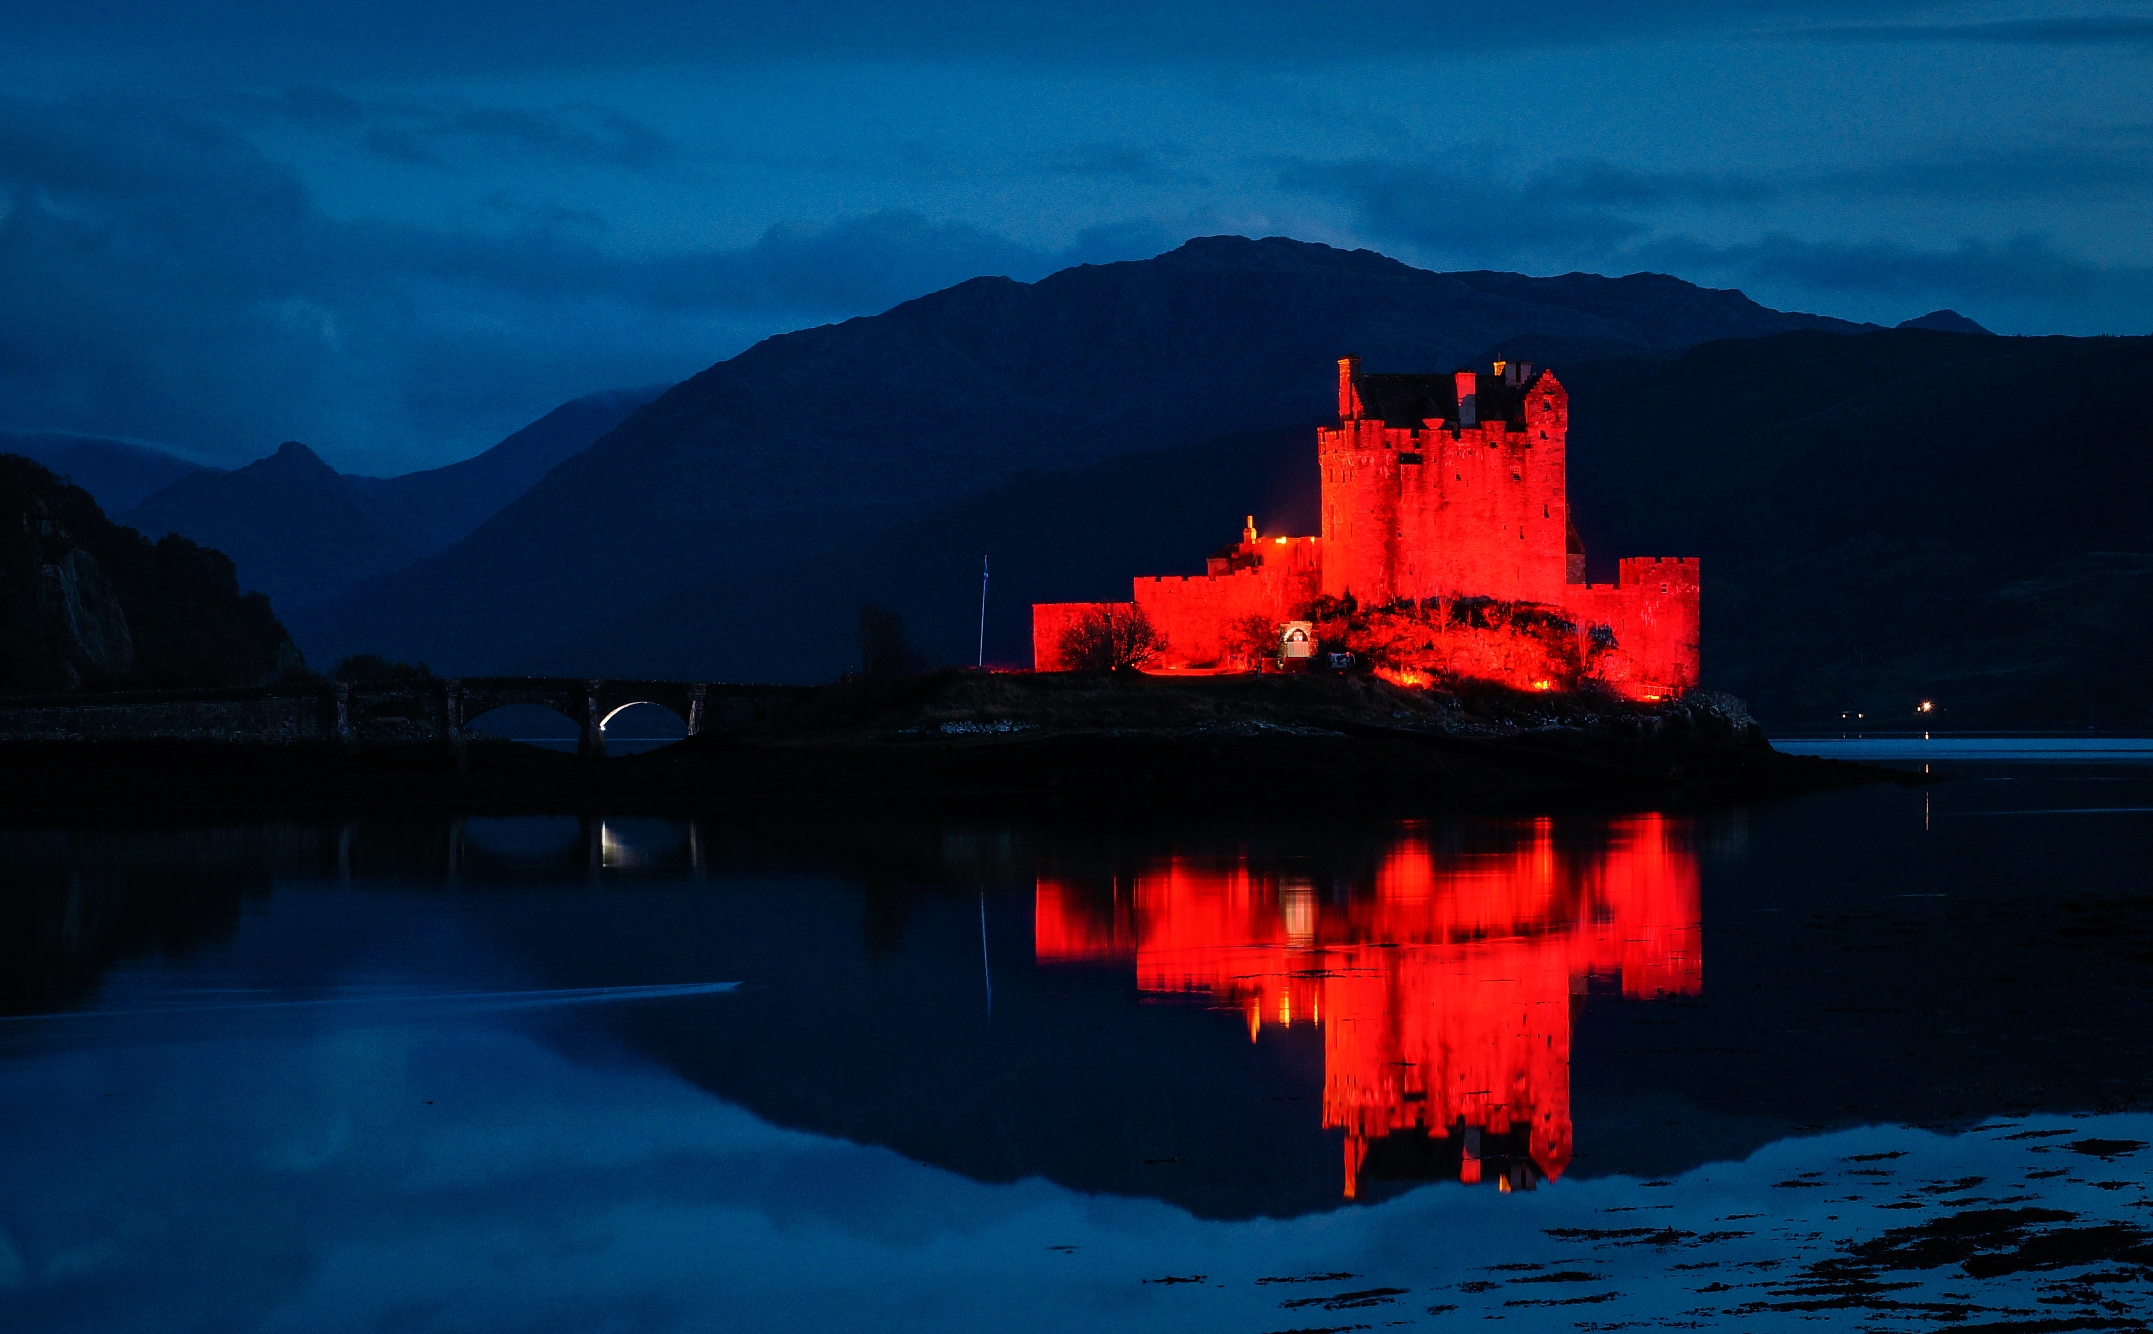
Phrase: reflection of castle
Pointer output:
(1443, 989)
(1446, 522)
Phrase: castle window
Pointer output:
(1516, 478)
(1543, 512)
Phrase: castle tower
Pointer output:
(1447, 485)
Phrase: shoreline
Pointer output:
(1011, 774)
(1001, 741)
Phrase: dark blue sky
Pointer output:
(397, 231)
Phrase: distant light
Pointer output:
(1543, 685)
(1280, 540)
(1926, 706)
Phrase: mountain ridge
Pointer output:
(288, 521)
(301, 532)
(435, 507)
(1871, 534)
(814, 438)
(118, 474)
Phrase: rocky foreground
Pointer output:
(1016, 740)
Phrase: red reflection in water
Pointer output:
(1443, 988)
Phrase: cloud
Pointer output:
(1465, 206)
(1590, 214)
(444, 131)
(2115, 162)
(867, 263)
(161, 278)
(2022, 269)
(1126, 161)
(422, 38)
(2090, 30)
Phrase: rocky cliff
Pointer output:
(85, 603)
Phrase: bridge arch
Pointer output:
(642, 724)
(535, 722)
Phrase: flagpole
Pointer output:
(982, 611)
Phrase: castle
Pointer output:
(1447, 552)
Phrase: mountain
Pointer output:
(1891, 517)
(296, 531)
(433, 509)
(1875, 531)
(1071, 535)
(814, 439)
(85, 602)
(1943, 321)
(118, 473)
(301, 532)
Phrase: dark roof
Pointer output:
(1409, 400)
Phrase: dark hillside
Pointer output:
(1051, 537)
(432, 509)
(1884, 518)
(1901, 515)
(816, 439)
(289, 522)
(301, 532)
(85, 602)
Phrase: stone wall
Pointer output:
(274, 715)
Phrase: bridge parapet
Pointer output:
(431, 709)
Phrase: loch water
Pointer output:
(1876, 1058)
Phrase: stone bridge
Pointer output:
(434, 709)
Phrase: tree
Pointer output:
(1109, 637)
(374, 667)
(886, 653)
(1253, 640)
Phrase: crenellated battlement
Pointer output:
(1440, 489)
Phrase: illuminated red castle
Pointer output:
(1447, 533)
(1443, 989)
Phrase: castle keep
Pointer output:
(1447, 552)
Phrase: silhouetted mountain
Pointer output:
(301, 532)
(1051, 536)
(817, 438)
(1892, 517)
(117, 473)
(1943, 321)
(1874, 530)
(85, 602)
(293, 527)
(433, 509)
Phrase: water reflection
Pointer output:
(1442, 983)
